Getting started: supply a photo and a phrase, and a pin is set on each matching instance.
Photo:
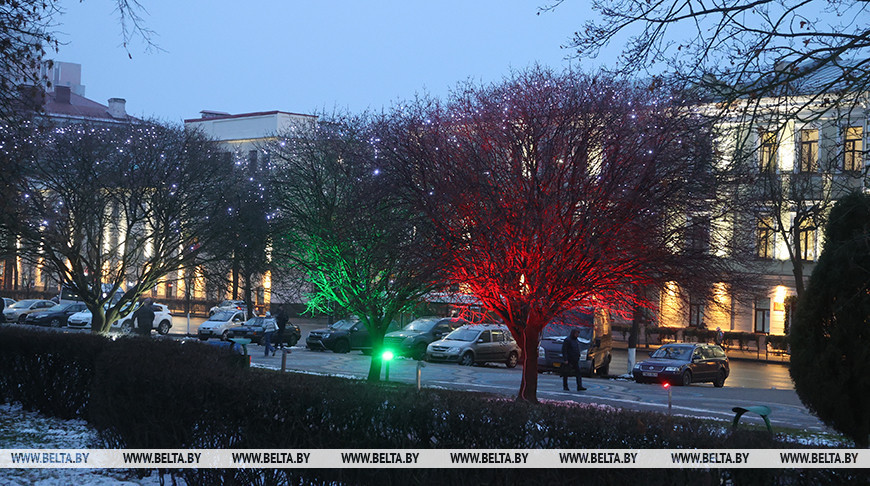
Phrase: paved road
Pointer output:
(699, 400)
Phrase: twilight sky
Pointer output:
(307, 56)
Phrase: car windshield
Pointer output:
(422, 325)
(255, 321)
(466, 335)
(22, 304)
(222, 316)
(680, 353)
(561, 330)
(61, 307)
(344, 324)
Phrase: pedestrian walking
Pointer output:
(719, 336)
(571, 355)
(144, 318)
(281, 318)
(269, 328)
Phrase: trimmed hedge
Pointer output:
(163, 394)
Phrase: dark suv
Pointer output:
(684, 364)
(413, 339)
(344, 336)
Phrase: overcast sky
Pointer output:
(307, 56)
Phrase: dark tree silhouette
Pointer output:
(830, 338)
(554, 191)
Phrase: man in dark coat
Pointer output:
(571, 355)
(144, 317)
(281, 318)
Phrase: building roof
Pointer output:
(209, 115)
(62, 103)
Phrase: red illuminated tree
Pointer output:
(553, 191)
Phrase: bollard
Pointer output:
(283, 360)
(420, 365)
(668, 386)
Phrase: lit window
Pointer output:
(809, 150)
(767, 153)
(764, 238)
(762, 315)
(807, 240)
(854, 149)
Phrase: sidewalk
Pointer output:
(733, 352)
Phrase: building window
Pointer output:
(807, 240)
(696, 314)
(698, 235)
(762, 315)
(809, 150)
(854, 149)
(764, 238)
(767, 152)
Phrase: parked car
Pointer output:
(596, 343)
(684, 364)
(253, 329)
(18, 311)
(80, 320)
(344, 336)
(476, 343)
(126, 324)
(219, 324)
(56, 316)
(229, 305)
(162, 321)
(413, 339)
(8, 301)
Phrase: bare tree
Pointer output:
(27, 35)
(343, 224)
(112, 208)
(550, 192)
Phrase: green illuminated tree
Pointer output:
(830, 338)
(343, 225)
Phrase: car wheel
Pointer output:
(604, 370)
(163, 328)
(21, 318)
(292, 340)
(54, 322)
(341, 347)
(366, 352)
(126, 327)
(420, 351)
(719, 382)
(467, 359)
(686, 378)
(512, 360)
(225, 335)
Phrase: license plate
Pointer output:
(437, 355)
(650, 373)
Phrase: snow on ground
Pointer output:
(20, 429)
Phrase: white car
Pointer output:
(18, 311)
(229, 305)
(162, 320)
(219, 324)
(126, 324)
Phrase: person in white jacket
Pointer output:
(269, 328)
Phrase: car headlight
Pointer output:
(672, 368)
(453, 351)
(327, 335)
(584, 354)
(541, 351)
(637, 366)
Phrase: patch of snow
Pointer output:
(20, 429)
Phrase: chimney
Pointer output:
(117, 108)
(61, 94)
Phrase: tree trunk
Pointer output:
(99, 323)
(377, 350)
(529, 346)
